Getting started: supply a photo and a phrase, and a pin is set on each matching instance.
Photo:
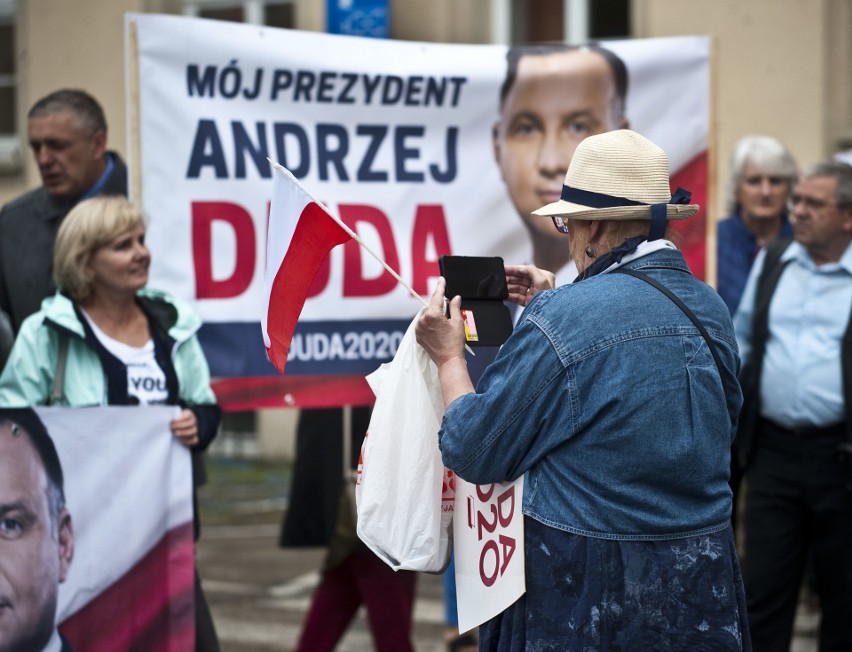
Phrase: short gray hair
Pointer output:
(835, 170)
(765, 152)
(84, 107)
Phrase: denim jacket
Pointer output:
(607, 398)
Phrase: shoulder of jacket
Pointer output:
(117, 182)
(26, 203)
(58, 310)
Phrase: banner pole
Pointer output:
(135, 159)
(711, 270)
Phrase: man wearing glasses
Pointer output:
(795, 339)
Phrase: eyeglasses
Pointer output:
(810, 203)
(560, 224)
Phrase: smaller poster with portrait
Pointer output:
(96, 530)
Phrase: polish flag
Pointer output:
(301, 233)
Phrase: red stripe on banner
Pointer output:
(237, 394)
(315, 235)
(150, 608)
(693, 232)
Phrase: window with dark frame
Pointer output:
(275, 14)
(538, 21)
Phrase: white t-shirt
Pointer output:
(146, 381)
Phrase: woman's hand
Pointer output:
(185, 428)
(442, 338)
(526, 281)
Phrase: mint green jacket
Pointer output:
(28, 376)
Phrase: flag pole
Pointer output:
(357, 239)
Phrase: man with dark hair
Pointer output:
(553, 97)
(67, 134)
(36, 534)
(795, 336)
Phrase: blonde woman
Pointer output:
(106, 339)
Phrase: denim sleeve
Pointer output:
(517, 414)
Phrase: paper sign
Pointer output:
(488, 530)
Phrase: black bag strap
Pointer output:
(846, 367)
(680, 304)
(768, 280)
(57, 391)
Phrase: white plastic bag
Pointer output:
(403, 493)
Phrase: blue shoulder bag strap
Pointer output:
(680, 304)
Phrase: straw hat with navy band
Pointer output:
(620, 175)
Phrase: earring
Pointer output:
(589, 251)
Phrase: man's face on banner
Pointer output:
(35, 551)
(557, 100)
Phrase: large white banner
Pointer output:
(394, 137)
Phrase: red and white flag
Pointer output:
(301, 233)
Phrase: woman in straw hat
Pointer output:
(617, 403)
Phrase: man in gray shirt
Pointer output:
(67, 133)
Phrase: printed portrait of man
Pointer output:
(552, 98)
(36, 535)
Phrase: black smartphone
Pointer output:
(474, 277)
(481, 283)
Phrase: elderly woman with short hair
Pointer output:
(106, 339)
(616, 399)
(763, 174)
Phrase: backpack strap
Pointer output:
(767, 282)
(57, 391)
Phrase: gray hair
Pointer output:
(765, 152)
(85, 108)
(835, 170)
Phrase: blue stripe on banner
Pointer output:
(235, 349)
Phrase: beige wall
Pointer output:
(76, 44)
(771, 63)
(445, 21)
